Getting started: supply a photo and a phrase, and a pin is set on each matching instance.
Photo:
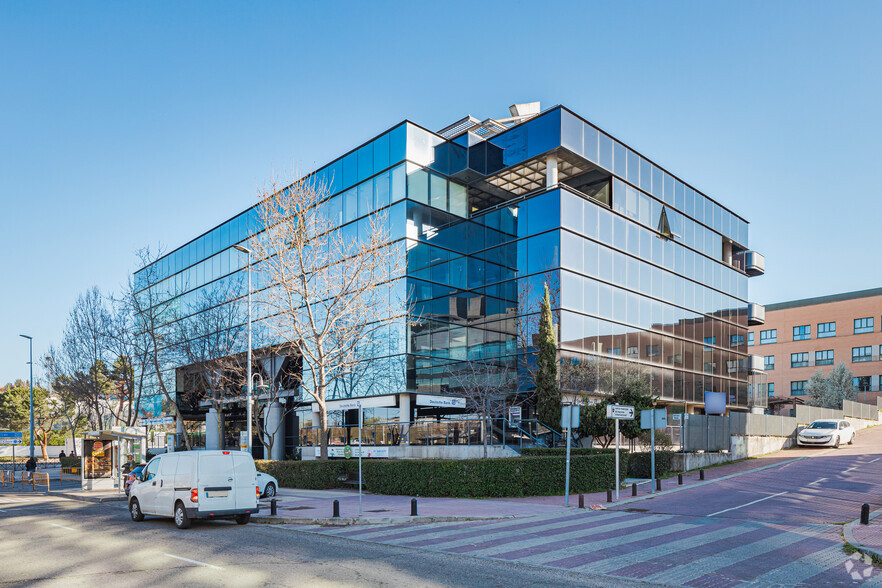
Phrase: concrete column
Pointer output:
(316, 421)
(405, 413)
(212, 441)
(551, 171)
(273, 423)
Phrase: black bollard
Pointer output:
(658, 484)
(679, 479)
(865, 514)
(336, 509)
(413, 507)
(273, 507)
(581, 501)
(701, 474)
(633, 489)
(609, 494)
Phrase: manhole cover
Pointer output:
(380, 510)
(299, 508)
(636, 510)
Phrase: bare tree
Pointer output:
(327, 293)
(487, 386)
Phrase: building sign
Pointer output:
(354, 451)
(352, 403)
(714, 402)
(440, 401)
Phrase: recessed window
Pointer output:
(771, 388)
(736, 341)
(859, 354)
(798, 388)
(862, 383)
(798, 360)
(826, 330)
(824, 357)
(802, 332)
(770, 336)
(863, 325)
(769, 362)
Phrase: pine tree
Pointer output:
(547, 393)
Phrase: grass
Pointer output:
(850, 549)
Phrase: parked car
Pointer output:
(133, 475)
(192, 485)
(267, 485)
(826, 433)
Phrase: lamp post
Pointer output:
(31, 363)
(250, 384)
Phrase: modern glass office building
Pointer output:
(644, 271)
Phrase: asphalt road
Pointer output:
(828, 486)
(52, 541)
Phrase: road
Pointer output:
(52, 541)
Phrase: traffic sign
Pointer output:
(654, 419)
(10, 438)
(569, 416)
(620, 412)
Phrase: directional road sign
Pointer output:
(620, 412)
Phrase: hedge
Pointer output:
(557, 451)
(69, 462)
(466, 478)
(640, 463)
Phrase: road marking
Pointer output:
(850, 469)
(2, 510)
(818, 481)
(748, 504)
(874, 460)
(192, 561)
(62, 526)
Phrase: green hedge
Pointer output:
(69, 462)
(556, 451)
(466, 478)
(640, 464)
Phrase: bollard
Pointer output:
(336, 509)
(865, 514)
(701, 474)
(658, 484)
(413, 507)
(609, 494)
(633, 489)
(581, 501)
(679, 479)
(273, 507)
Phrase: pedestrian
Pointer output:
(31, 467)
(60, 455)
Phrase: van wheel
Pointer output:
(182, 521)
(135, 511)
(270, 490)
(243, 519)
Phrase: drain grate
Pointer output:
(379, 510)
(299, 508)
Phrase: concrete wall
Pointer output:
(24, 451)
(750, 446)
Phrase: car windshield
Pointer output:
(822, 425)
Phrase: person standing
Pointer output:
(31, 467)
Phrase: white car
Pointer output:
(826, 433)
(267, 484)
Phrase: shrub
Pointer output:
(69, 462)
(558, 451)
(640, 464)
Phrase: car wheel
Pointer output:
(836, 445)
(135, 511)
(182, 521)
(851, 441)
(243, 519)
(270, 490)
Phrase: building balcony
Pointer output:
(754, 363)
(756, 314)
(754, 263)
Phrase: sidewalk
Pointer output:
(867, 538)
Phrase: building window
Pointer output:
(771, 388)
(632, 352)
(769, 362)
(709, 341)
(798, 388)
(862, 383)
(710, 367)
(802, 332)
(736, 341)
(826, 330)
(798, 360)
(770, 336)
(859, 354)
(652, 351)
(750, 339)
(863, 325)
(824, 357)
(615, 351)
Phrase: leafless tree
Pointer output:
(328, 295)
(488, 387)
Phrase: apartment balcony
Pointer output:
(754, 363)
(754, 263)
(756, 314)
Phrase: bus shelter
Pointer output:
(108, 456)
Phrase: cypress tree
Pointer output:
(548, 402)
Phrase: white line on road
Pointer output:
(2, 510)
(62, 526)
(850, 469)
(874, 460)
(748, 504)
(818, 481)
(192, 561)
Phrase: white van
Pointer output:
(191, 485)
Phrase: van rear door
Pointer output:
(216, 482)
(246, 481)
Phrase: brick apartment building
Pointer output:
(801, 336)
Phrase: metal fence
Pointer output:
(808, 414)
(859, 410)
(762, 425)
(706, 433)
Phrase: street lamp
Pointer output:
(31, 363)
(250, 384)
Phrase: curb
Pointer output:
(95, 499)
(848, 535)
(347, 521)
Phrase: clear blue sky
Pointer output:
(130, 124)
